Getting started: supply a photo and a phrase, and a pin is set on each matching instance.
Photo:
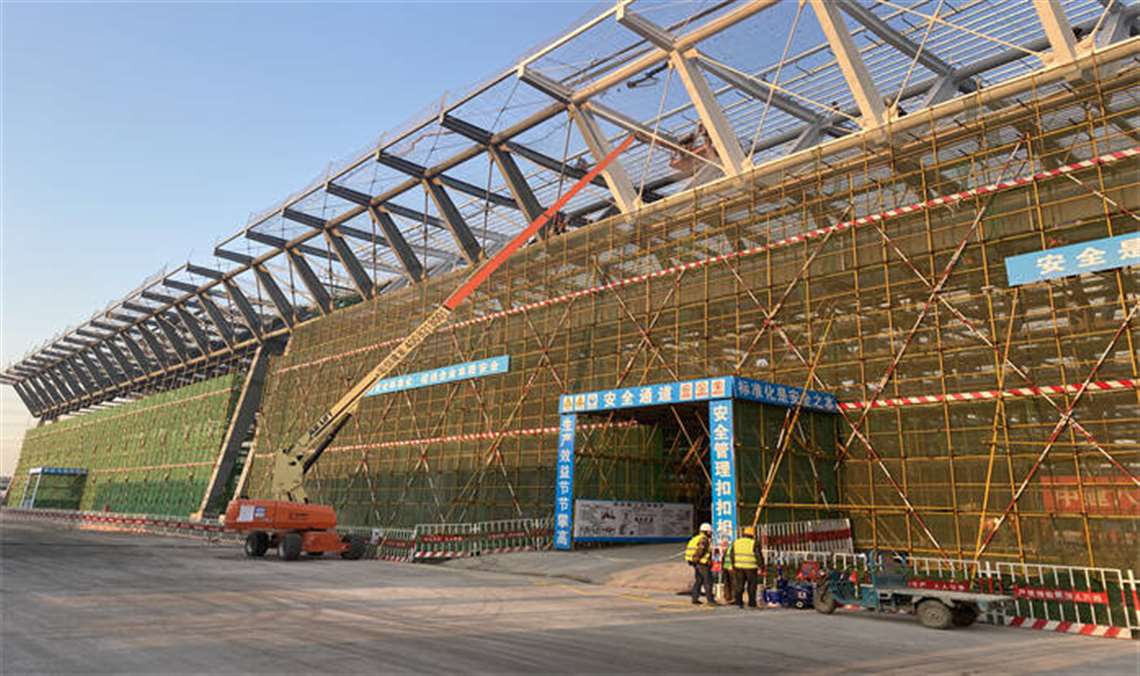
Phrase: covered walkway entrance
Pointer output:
(726, 439)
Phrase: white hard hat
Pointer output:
(706, 527)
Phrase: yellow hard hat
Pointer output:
(749, 531)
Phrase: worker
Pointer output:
(698, 554)
(744, 558)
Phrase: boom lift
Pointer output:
(289, 521)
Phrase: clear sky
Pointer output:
(136, 133)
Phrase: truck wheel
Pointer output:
(934, 614)
(824, 601)
(356, 547)
(290, 547)
(964, 616)
(256, 543)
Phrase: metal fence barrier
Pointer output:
(821, 535)
(1081, 600)
(457, 540)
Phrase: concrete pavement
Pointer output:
(83, 602)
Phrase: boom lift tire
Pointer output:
(964, 615)
(356, 547)
(824, 601)
(290, 547)
(256, 543)
(934, 614)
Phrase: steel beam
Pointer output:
(516, 183)
(455, 222)
(1057, 30)
(413, 268)
(642, 132)
(218, 319)
(91, 334)
(47, 392)
(195, 328)
(239, 429)
(70, 390)
(78, 385)
(251, 317)
(281, 243)
(712, 116)
(360, 277)
(484, 138)
(204, 272)
(159, 298)
(375, 238)
(135, 307)
(176, 341)
(181, 286)
(234, 256)
(895, 39)
(46, 402)
(317, 291)
(57, 387)
(130, 369)
(303, 218)
(555, 90)
(653, 33)
(156, 349)
(760, 90)
(851, 64)
(617, 180)
(97, 371)
(284, 308)
(31, 402)
(109, 367)
(54, 393)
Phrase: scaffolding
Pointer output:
(889, 161)
(953, 383)
(151, 456)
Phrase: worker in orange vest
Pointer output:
(744, 557)
(698, 554)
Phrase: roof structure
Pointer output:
(709, 90)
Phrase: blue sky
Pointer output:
(136, 133)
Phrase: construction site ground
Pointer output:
(92, 602)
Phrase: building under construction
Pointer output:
(824, 202)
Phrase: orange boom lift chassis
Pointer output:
(289, 521)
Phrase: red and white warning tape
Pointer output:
(1122, 384)
(944, 200)
(1062, 627)
(1100, 385)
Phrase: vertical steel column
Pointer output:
(241, 422)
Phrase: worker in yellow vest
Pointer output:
(744, 558)
(698, 554)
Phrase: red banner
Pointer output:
(940, 585)
(1073, 595)
(1111, 495)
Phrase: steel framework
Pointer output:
(457, 181)
(840, 221)
(961, 395)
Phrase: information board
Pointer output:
(1063, 261)
(622, 521)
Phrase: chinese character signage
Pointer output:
(629, 521)
(722, 462)
(444, 374)
(564, 483)
(1064, 261)
(783, 395)
(702, 389)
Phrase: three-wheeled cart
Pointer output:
(889, 591)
